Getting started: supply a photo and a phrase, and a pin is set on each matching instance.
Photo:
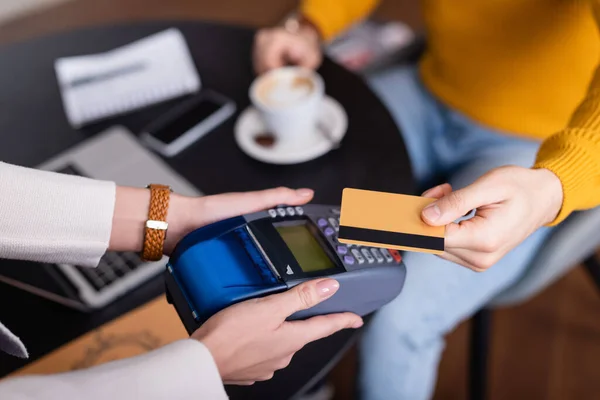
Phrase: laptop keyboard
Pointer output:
(111, 268)
(113, 265)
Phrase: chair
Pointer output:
(573, 242)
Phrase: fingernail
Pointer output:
(358, 324)
(304, 192)
(425, 193)
(327, 287)
(432, 212)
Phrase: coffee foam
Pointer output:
(285, 89)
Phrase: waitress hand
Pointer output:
(200, 211)
(511, 203)
(249, 341)
(186, 214)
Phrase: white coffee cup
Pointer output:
(288, 100)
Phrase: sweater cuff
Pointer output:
(574, 166)
(180, 370)
(320, 20)
(194, 370)
(183, 369)
(333, 17)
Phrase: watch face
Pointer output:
(292, 24)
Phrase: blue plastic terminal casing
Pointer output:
(218, 266)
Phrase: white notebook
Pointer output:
(146, 72)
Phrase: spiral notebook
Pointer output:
(148, 71)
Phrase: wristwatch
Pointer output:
(155, 230)
(294, 22)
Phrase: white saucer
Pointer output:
(315, 144)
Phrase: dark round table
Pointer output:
(33, 127)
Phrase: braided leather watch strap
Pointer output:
(155, 231)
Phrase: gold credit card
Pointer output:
(388, 220)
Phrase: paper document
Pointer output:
(148, 71)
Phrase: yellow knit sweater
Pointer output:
(527, 67)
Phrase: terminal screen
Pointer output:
(307, 250)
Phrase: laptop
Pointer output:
(113, 155)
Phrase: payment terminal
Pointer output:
(271, 251)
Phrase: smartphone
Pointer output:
(183, 125)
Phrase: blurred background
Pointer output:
(27, 18)
(547, 348)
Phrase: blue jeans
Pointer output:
(402, 345)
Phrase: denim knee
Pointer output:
(415, 114)
(407, 322)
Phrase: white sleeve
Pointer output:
(55, 218)
(181, 370)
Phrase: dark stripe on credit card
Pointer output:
(391, 238)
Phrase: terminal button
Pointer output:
(387, 255)
(322, 223)
(348, 259)
(396, 255)
(342, 250)
(368, 256)
(358, 256)
(291, 211)
(335, 224)
(273, 213)
(377, 255)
